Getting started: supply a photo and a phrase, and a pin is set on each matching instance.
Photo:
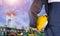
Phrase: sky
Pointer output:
(21, 8)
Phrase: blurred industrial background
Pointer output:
(14, 17)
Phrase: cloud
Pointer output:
(22, 20)
(2, 24)
(0, 2)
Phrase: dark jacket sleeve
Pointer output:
(36, 6)
(34, 10)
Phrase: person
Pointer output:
(34, 10)
(53, 9)
(53, 18)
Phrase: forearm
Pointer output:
(36, 6)
(34, 10)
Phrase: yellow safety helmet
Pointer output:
(41, 22)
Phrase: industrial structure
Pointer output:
(11, 30)
(10, 19)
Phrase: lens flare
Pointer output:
(11, 2)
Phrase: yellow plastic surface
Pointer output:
(41, 22)
(31, 34)
(18, 35)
